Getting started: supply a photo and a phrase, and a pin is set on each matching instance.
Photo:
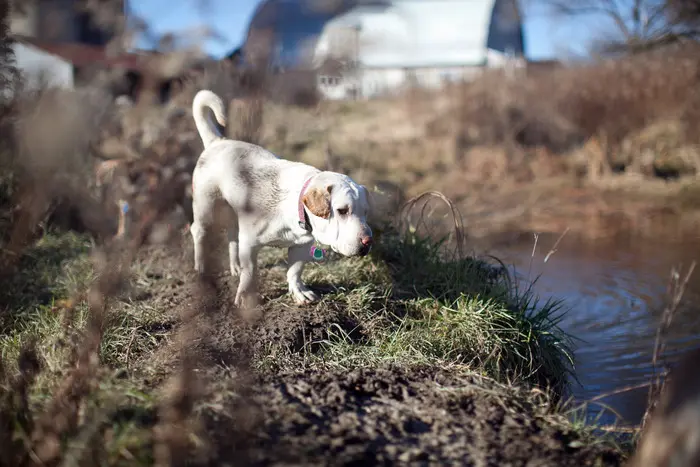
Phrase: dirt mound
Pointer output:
(382, 416)
(283, 329)
(227, 337)
(266, 406)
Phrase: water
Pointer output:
(615, 288)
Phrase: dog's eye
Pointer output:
(342, 211)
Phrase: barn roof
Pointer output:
(392, 33)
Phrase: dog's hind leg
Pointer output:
(232, 233)
(203, 209)
(297, 257)
(246, 295)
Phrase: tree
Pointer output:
(685, 12)
(635, 25)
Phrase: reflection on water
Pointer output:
(615, 290)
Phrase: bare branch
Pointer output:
(636, 25)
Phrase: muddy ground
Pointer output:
(382, 416)
(263, 405)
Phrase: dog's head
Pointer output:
(338, 209)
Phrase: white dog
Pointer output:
(273, 202)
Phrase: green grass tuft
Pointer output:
(51, 269)
(442, 310)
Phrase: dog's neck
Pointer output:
(304, 221)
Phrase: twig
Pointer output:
(620, 391)
(532, 256)
(675, 290)
(618, 429)
(456, 215)
(554, 248)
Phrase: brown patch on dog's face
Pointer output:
(318, 201)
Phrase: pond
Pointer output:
(615, 288)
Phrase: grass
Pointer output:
(423, 308)
(589, 428)
(45, 311)
(52, 269)
(49, 273)
(42, 307)
(410, 303)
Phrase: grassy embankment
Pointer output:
(457, 325)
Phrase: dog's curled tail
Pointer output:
(204, 100)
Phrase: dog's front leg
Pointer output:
(297, 257)
(246, 295)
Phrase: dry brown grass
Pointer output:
(669, 428)
(64, 415)
(48, 162)
(586, 121)
(559, 110)
(55, 133)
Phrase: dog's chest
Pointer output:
(280, 236)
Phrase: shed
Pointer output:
(41, 67)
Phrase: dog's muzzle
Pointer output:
(366, 245)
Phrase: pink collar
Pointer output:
(303, 218)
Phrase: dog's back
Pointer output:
(244, 174)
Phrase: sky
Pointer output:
(546, 36)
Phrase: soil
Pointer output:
(331, 416)
(384, 416)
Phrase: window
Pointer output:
(330, 80)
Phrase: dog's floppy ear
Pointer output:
(318, 201)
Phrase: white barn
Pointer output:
(380, 46)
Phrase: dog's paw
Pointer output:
(303, 295)
(246, 300)
(235, 270)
